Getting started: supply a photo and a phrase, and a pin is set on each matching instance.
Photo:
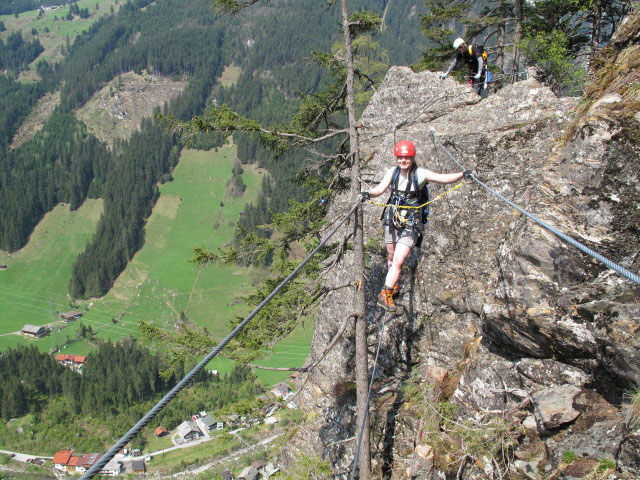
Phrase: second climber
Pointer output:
(475, 58)
(403, 227)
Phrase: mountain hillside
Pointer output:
(513, 354)
(84, 132)
(113, 67)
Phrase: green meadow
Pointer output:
(52, 30)
(288, 353)
(34, 285)
(160, 284)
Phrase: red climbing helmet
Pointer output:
(405, 148)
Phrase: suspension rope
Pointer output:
(175, 390)
(592, 253)
(366, 410)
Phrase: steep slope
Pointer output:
(514, 354)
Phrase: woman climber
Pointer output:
(403, 226)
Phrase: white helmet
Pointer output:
(457, 42)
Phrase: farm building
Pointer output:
(69, 317)
(112, 469)
(85, 462)
(138, 466)
(249, 473)
(270, 470)
(34, 331)
(281, 389)
(71, 360)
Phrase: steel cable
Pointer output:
(95, 469)
(592, 253)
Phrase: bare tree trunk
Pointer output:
(362, 364)
(517, 35)
(597, 26)
(500, 49)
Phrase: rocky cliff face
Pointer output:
(514, 355)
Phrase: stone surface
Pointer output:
(554, 406)
(498, 316)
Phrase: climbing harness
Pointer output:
(185, 381)
(409, 220)
(398, 216)
(409, 207)
(566, 238)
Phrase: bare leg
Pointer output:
(391, 248)
(401, 253)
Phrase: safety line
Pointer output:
(416, 207)
(592, 253)
(175, 390)
(366, 410)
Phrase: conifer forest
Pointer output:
(290, 55)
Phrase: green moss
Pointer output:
(605, 464)
(568, 457)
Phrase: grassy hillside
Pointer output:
(192, 210)
(39, 273)
(160, 284)
(55, 33)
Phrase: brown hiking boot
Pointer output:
(396, 291)
(385, 300)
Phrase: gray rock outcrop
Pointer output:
(514, 354)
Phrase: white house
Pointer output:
(112, 469)
(189, 431)
(281, 389)
(211, 424)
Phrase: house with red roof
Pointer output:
(61, 459)
(72, 464)
(71, 360)
(85, 462)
